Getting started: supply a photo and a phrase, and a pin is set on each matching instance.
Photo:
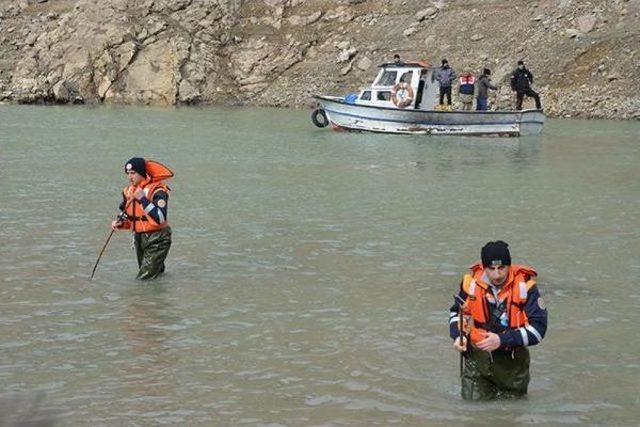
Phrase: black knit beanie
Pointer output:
(136, 164)
(495, 253)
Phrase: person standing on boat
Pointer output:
(521, 81)
(144, 211)
(500, 313)
(445, 75)
(484, 84)
(466, 90)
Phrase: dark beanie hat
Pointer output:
(444, 61)
(486, 72)
(521, 62)
(495, 253)
(136, 164)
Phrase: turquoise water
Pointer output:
(311, 271)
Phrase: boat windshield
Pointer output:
(388, 78)
(406, 77)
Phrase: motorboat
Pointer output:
(403, 99)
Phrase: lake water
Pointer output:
(311, 271)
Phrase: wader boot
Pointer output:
(151, 250)
(501, 374)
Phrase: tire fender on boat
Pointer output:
(319, 118)
(406, 98)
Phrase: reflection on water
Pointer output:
(147, 373)
(311, 271)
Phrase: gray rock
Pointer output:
(410, 31)
(297, 20)
(345, 70)
(364, 63)
(346, 55)
(31, 39)
(424, 13)
(586, 23)
(274, 3)
(188, 93)
(477, 37)
(60, 92)
(341, 14)
(572, 33)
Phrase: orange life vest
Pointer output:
(514, 292)
(138, 220)
(467, 79)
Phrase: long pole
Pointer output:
(107, 241)
(93, 272)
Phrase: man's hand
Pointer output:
(139, 194)
(460, 347)
(490, 343)
(116, 224)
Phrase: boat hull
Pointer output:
(342, 115)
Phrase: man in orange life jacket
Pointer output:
(502, 313)
(144, 211)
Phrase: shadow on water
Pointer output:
(449, 154)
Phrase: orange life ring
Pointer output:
(402, 95)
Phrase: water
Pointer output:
(311, 271)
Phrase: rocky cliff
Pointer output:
(584, 54)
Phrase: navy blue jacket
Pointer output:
(532, 334)
(521, 80)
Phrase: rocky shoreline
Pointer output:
(584, 54)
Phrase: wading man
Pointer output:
(144, 211)
(502, 313)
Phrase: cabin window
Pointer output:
(383, 96)
(406, 77)
(366, 96)
(388, 78)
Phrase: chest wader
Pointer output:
(500, 374)
(151, 250)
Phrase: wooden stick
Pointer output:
(101, 252)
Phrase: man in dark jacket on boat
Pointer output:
(521, 80)
(484, 84)
(445, 75)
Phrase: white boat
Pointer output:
(403, 99)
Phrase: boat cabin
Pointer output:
(405, 85)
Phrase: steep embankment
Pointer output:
(584, 54)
